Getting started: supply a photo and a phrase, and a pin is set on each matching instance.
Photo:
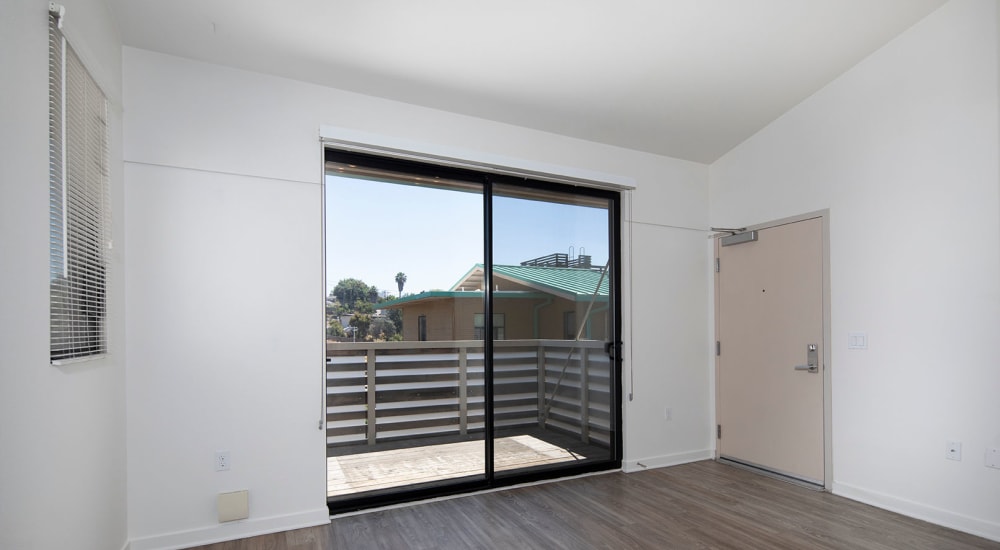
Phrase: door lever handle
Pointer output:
(812, 357)
(613, 349)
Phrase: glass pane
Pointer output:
(405, 399)
(553, 382)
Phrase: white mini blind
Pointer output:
(79, 205)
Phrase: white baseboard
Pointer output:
(629, 466)
(231, 531)
(973, 526)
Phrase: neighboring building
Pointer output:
(529, 302)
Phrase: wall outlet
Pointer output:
(953, 450)
(993, 458)
(222, 461)
(668, 414)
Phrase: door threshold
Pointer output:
(806, 483)
(467, 493)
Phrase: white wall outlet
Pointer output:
(222, 461)
(993, 458)
(668, 414)
(953, 450)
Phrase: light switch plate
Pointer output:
(857, 340)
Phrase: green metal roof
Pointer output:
(567, 282)
(563, 280)
(443, 294)
(570, 283)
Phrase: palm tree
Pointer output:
(400, 281)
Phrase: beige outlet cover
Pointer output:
(234, 506)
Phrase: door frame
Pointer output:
(490, 176)
(824, 215)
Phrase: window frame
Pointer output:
(421, 328)
(499, 326)
(79, 205)
(570, 327)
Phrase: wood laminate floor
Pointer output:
(702, 505)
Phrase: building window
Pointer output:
(422, 328)
(79, 206)
(569, 325)
(479, 323)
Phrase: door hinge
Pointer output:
(717, 265)
(718, 431)
(718, 348)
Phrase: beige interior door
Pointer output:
(769, 296)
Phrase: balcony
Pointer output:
(417, 415)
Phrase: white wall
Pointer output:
(224, 290)
(62, 429)
(903, 150)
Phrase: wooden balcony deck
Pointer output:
(356, 471)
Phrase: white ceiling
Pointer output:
(684, 78)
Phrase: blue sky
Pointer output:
(376, 229)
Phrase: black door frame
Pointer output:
(487, 180)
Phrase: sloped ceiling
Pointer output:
(689, 79)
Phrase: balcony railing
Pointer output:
(383, 391)
(560, 260)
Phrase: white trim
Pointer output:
(973, 526)
(84, 359)
(232, 531)
(368, 142)
(662, 461)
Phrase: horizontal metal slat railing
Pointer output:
(389, 390)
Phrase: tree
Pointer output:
(382, 328)
(333, 329)
(349, 291)
(361, 322)
(396, 316)
(400, 281)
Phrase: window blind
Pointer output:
(79, 204)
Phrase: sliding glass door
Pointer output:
(405, 397)
(554, 401)
(469, 318)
